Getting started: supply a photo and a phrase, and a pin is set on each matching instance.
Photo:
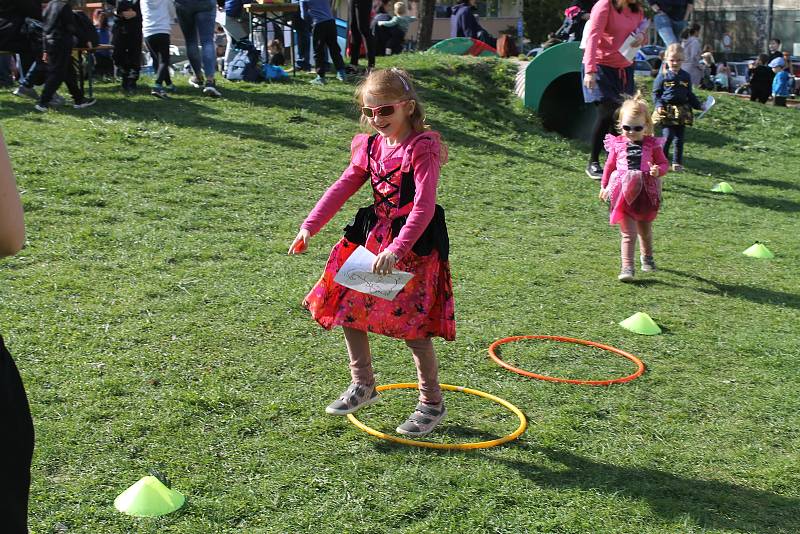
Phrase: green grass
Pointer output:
(155, 318)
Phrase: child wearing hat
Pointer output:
(780, 84)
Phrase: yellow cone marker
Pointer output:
(641, 323)
(148, 498)
(722, 187)
(759, 251)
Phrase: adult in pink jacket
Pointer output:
(607, 74)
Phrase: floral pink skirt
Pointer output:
(423, 308)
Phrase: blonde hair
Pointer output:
(399, 8)
(635, 106)
(675, 50)
(392, 84)
(276, 46)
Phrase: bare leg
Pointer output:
(360, 356)
(627, 230)
(645, 231)
(427, 370)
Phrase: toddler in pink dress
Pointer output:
(632, 183)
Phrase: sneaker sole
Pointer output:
(421, 434)
(592, 176)
(332, 411)
(625, 278)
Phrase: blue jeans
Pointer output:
(669, 30)
(196, 19)
(675, 135)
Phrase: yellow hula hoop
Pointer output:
(523, 422)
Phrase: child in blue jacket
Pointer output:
(674, 101)
(780, 83)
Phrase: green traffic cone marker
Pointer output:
(641, 323)
(722, 187)
(759, 251)
(148, 498)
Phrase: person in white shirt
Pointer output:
(157, 18)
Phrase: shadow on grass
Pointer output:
(712, 504)
(753, 294)
(754, 201)
(715, 168)
(709, 138)
(769, 182)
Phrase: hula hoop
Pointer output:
(639, 371)
(523, 422)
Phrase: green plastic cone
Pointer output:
(759, 251)
(641, 323)
(148, 498)
(722, 187)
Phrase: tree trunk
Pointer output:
(425, 29)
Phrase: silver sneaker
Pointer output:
(196, 82)
(211, 90)
(57, 100)
(648, 264)
(626, 274)
(24, 91)
(423, 420)
(356, 396)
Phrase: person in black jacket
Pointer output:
(126, 36)
(59, 31)
(464, 24)
(761, 80)
(18, 35)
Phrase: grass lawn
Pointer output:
(156, 321)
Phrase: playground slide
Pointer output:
(463, 46)
(552, 88)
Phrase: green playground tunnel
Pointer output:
(552, 88)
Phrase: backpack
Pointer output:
(245, 64)
(273, 73)
(85, 31)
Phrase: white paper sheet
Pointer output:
(356, 273)
(627, 49)
(710, 101)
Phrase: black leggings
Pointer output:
(603, 125)
(359, 26)
(324, 36)
(158, 45)
(16, 427)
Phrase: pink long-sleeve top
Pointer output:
(608, 29)
(422, 152)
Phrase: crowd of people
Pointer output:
(41, 41)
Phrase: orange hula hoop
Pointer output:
(640, 367)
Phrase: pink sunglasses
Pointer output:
(383, 111)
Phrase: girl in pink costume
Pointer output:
(406, 229)
(632, 182)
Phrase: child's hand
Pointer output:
(300, 243)
(655, 172)
(589, 80)
(604, 194)
(384, 263)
